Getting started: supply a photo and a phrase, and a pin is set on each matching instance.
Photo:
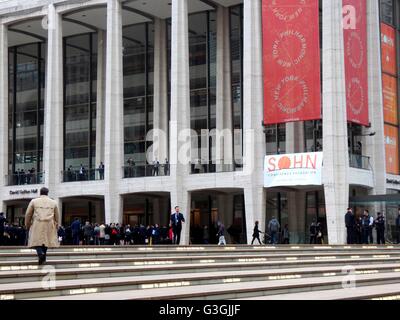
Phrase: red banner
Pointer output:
(291, 56)
(356, 62)
(388, 41)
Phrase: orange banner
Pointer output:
(389, 87)
(392, 149)
(388, 44)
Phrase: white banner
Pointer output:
(300, 169)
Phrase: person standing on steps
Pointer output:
(176, 223)
(350, 222)
(42, 219)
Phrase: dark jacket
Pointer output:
(349, 220)
(176, 220)
(76, 227)
(2, 221)
(256, 231)
(398, 221)
(380, 223)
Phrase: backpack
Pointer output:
(114, 232)
(274, 226)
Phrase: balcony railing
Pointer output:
(74, 175)
(146, 170)
(360, 162)
(20, 179)
(201, 168)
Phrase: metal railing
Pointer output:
(20, 179)
(74, 175)
(201, 168)
(360, 162)
(146, 170)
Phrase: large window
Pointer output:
(80, 95)
(26, 104)
(236, 45)
(202, 59)
(138, 46)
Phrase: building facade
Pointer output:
(125, 109)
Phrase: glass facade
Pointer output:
(80, 95)
(202, 60)
(236, 46)
(138, 46)
(26, 113)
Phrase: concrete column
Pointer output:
(254, 139)
(336, 158)
(3, 105)
(224, 139)
(160, 136)
(180, 112)
(114, 124)
(101, 88)
(53, 148)
(375, 146)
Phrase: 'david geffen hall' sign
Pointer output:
(300, 169)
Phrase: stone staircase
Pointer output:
(202, 272)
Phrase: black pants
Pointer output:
(380, 234)
(256, 237)
(41, 251)
(371, 238)
(1, 238)
(365, 235)
(177, 235)
(350, 235)
(313, 239)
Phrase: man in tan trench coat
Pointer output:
(42, 220)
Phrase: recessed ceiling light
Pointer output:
(84, 15)
(28, 26)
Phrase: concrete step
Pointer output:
(201, 265)
(222, 291)
(26, 276)
(198, 250)
(378, 292)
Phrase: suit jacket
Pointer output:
(176, 221)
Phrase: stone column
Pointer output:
(114, 124)
(224, 137)
(375, 146)
(180, 112)
(336, 157)
(3, 106)
(53, 148)
(100, 118)
(254, 139)
(160, 136)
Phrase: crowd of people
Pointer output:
(22, 177)
(113, 234)
(360, 229)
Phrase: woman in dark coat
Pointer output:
(256, 233)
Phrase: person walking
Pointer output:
(176, 223)
(380, 228)
(256, 233)
(3, 221)
(273, 227)
(221, 234)
(42, 220)
(76, 230)
(371, 228)
(350, 225)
